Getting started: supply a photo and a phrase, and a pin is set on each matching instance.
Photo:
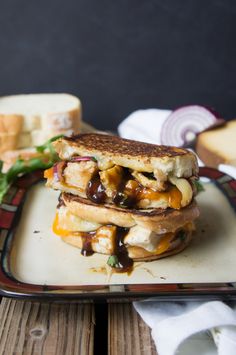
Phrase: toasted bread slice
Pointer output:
(218, 146)
(29, 120)
(158, 220)
(111, 150)
(141, 243)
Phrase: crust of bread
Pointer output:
(158, 220)
(112, 150)
(8, 142)
(218, 146)
(61, 122)
(11, 124)
(207, 156)
(24, 140)
(34, 128)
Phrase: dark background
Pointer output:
(118, 56)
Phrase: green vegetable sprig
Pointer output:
(44, 161)
(198, 185)
(113, 261)
(48, 146)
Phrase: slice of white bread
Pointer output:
(218, 146)
(31, 119)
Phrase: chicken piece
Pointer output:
(102, 240)
(142, 237)
(156, 183)
(161, 179)
(106, 238)
(79, 173)
(111, 179)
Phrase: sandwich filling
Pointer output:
(124, 244)
(130, 200)
(120, 186)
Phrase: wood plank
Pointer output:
(44, 328)
(127, 333)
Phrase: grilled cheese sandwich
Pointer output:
(164, 178)
(126, 199)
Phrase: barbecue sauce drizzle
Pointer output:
(123, 200)
(95, 190)
(87, 249)
(125, 263)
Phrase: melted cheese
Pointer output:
(162, 246)
(164, 243)
(102, 240)
(57, 229)
(105, 236)
(172, 197)
(48, 174)
(175, 197)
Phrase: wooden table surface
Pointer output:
(72, 328)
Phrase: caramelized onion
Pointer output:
(83, 159)
(184, 187)
(58, 169)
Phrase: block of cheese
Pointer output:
(218, 146)
(31, 119)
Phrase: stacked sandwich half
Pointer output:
(129, 200)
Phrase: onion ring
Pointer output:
(184, 123)
(83, 159)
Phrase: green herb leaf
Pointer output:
(48, 145)
(198, 185)
(22, 166)
(113, 261)
(4, 186)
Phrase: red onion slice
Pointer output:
(58, 169)
(83, 159)
(183, 124)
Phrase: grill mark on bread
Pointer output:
(117, 145)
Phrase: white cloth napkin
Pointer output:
(174, 323)
(144, 125)
(181, 327)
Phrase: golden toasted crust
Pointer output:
(113, 144)
(157, 220)
(139, 156)
(218, 145)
